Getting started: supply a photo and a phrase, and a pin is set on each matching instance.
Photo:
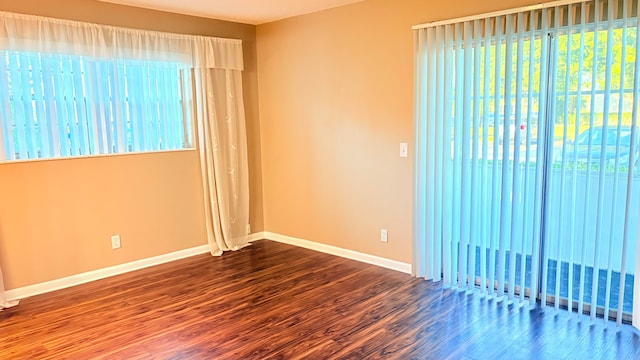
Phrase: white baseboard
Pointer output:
(53, 285)
(256, 236)
(345, 253)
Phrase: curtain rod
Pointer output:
(497, 13)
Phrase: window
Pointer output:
(528, 178)
(58, 105)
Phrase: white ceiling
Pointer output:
(245, 11)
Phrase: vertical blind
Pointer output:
(68, 105)
(527, 176)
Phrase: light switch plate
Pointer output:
(115, 242)
(404, 150)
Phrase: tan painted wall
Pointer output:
(336, 99)
(56, 217)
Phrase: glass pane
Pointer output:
(592, 158)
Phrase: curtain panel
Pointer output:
(212, 68)
(4, 303)
(223, 157)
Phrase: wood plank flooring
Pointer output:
(274, 301)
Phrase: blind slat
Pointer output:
(420, 268)
(484, 183)
(465, 200)
(121, 112)
(430, 110)
(457, 152)
(495, 192)
(526, 232)
(474, 223)
(175, 124)
(447, 241)
(440, 150)
(164, 109)
(516, 242)
(628, 221)
(505, 198)
(7, 151)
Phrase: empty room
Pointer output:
(327, 179)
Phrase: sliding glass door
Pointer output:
(528, 156)
(593, 177)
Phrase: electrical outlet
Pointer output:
(115, 242)
(383, 235)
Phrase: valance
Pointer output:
(41, 34)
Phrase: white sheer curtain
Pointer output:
(212, 69)
(223, 157)
(519, 193)
(3, 300)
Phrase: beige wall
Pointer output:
(336, 99)
(56, 217)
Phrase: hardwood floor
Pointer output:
(274, 301)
